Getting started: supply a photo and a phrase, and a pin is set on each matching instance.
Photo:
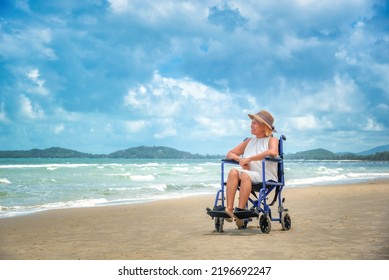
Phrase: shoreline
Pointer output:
(342, 221)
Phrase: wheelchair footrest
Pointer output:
(245, 214)
(218, 211)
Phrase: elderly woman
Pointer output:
(249, 155)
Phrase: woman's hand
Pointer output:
(244, 163)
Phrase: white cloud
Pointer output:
(135, 99)
(27, 42)
(28, 110)
(59, 128)
(343, 55)
(186, 87)
(167, 97)
(33, 75)
(219, 127)
(166, 132)
(291, 43)
(108, 128)
(307, 122)
(61, 113)
(381, 76)
(157, 11)
(341, 95)
(23, 5)
(166, 128)
(134, 126)
(189, 108)
(3, 114)
(384, 107)
(371, 125)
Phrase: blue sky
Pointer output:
(99, 76)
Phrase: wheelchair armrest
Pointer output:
(275, 159)
(228, 160)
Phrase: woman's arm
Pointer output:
(236, 152)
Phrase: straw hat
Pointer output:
(264, 117)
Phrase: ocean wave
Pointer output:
(340, 178)
(49, 166)
(328, 171)
(134, 177)
(314, 180)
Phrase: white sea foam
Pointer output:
(210, 163)
(339, 178)
(75, 203)
(328, 171)
(118, 189)
(149, 164)
(198, 168)
(142, 177)
(181, 169)
(10, 211)
(4, 181)
(313, 181)
(159, 187)
(367, 175)
(52, 168)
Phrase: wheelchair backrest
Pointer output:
(280, 168)
(281, 146)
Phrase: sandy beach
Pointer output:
(328, 222)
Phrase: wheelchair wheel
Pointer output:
(219, 222)
(265, 223)
(286, 221)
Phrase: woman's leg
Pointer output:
(232, 186)
(245, 190)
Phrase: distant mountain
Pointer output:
(53, 152)
(318, 154)
(384, 148)
(141, 152)
(153, 152)
(322, 154)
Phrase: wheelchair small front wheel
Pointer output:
(219, 222)
(265, 223)
(286, 221)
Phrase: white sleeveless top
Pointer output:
(254, 147)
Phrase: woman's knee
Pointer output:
(233, 174)
(245, 177)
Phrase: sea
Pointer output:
(31, 185)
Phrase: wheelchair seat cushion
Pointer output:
(257, 186)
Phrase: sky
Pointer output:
(99, 76)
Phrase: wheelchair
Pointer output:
(259, 209)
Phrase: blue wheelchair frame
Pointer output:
(259, 206)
